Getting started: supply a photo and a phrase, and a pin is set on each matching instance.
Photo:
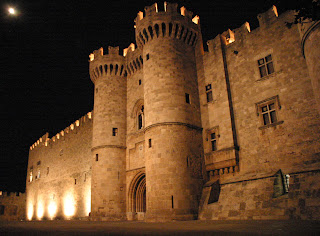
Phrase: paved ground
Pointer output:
(169, 228)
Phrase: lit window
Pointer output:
(209, 93)
(265, 66)
(31, 175)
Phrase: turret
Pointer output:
(107, 72)
(173, 131)
(310, 41)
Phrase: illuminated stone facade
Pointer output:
(178, 133)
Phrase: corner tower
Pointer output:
(109, 135)
(173, 133)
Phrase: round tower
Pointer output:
(109, 135)
(173, 134)
(310, 33)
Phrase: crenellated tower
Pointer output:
(107, 72)
(173, 133)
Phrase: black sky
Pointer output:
(45, 85)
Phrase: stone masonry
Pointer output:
(179, 133)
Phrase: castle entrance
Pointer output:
(137, 197)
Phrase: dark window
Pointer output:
(47, 170)
(265, 66)
(75, 181)
(2, 209)
(213, 141)
(269, 113)
(140, 118)
(148, 56)
(209, 93)
(97, 157)
(114, 131)
(139, 81)
(150, 144)
(172, 203)
(187, 98)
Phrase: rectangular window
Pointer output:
(114, 131)
(97, 157)
(1, 209)
(139, 81)
(213, 141)
(209, 93)
(265, 66)
(187, 98)
(47, 170)
(150, 144)
(148, 56)
(269, 114)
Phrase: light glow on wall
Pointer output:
(30, 211)
(52, 209)
(88, 201)
(40, 210)
(69, 205)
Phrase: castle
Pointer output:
(179, 133)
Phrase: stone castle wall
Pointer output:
(191, 139)
(60, 186)
(290, 144)
(12, 206)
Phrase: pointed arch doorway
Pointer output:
(137, 197)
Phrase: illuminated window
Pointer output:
(38, 174)
(140, 118)
(265, 66)
(31, 174)
(209, 93)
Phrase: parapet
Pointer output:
(111, 63)
(239, 35)
(4, 194)
(45, 140)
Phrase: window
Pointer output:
(1, 209)
(139, 81)
(140, 118)
(38, 174)
(268, 111)
(187, 98)
(209, 93)
(114, 131)
(265, 66)
(97, 157)
(150, 144)
(31, 175)
(213, 140)
(148, 56)
(47, 170)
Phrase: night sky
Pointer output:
(45, 84)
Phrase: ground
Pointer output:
(169, 228)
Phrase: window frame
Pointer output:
(265, 66)
(214, 130)
(266, 103)
(209, 92)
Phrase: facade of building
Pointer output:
(178, 133)
(12, 206)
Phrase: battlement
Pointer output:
(169, 9)
(111, 63)
(167, 22)
(266, 20)
(45, 140)
(4, 194)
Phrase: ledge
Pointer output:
(271, 125)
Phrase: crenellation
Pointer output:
(180, 134)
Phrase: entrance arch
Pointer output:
(137, 197)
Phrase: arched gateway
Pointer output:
(137, 197)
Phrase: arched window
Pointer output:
(140, 118)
